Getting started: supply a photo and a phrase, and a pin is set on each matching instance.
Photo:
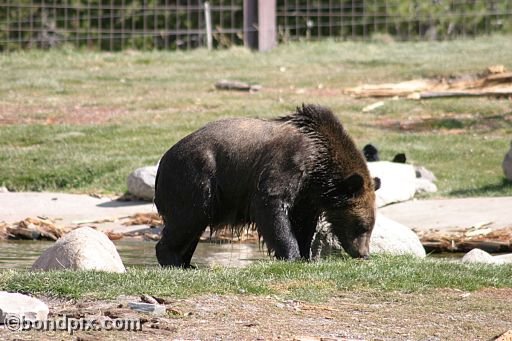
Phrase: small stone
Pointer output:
(424, 173)
(4, 189)
(141, 182)
(425, 186)
(505, 259)
(148, 308)
(23, 306)
(479, 256)
(148, 299)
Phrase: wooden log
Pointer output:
(491, 246)
(236, 85)
(488, 245)
(474, 93)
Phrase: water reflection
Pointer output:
(21, 254)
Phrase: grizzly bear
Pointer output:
(279, 175)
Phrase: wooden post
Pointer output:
(260, 24)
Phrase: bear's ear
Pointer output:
(353, 184)
(376, 183)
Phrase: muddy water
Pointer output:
(20, 254)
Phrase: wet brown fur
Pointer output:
(278, 175)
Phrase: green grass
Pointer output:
(81, 121)
(299, 280)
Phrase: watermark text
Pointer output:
(14, 322)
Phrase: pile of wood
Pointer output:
(33, 229)
(464, 240)
(495, 81)
(151, 219)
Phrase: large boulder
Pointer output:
(391, 237)
(398, 181)
(141, 182)
(22, 306)
(388, 237)
(507, 164)
(82, 249)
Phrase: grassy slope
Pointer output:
(309, 281)
(146, 101)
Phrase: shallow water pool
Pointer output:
(20, 254)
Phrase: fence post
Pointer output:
(267, 24)
(260, 24)
(208, 19)
(251, 24)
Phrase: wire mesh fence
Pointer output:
(117, 24)
(401, 19)
(180, 24)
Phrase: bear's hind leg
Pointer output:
(178, 244)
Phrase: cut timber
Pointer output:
(493, 82)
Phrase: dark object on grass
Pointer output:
(399, 158)
(236, 85)
(371, 153)
(276, 175)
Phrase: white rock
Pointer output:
(398, 181)
(148, 308)
(81, 249)
(480, 256)
(507, 164)
(22, 306)
(141, 182)
(424, 185)
(505, 259)
(388, 237)
(4, 189)
(391, 237)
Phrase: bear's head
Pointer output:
(352, 212)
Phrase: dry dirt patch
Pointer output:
(367, 315)
(76, 114)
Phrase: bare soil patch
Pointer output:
(453, 124)
(367, 315)
(76, 115)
